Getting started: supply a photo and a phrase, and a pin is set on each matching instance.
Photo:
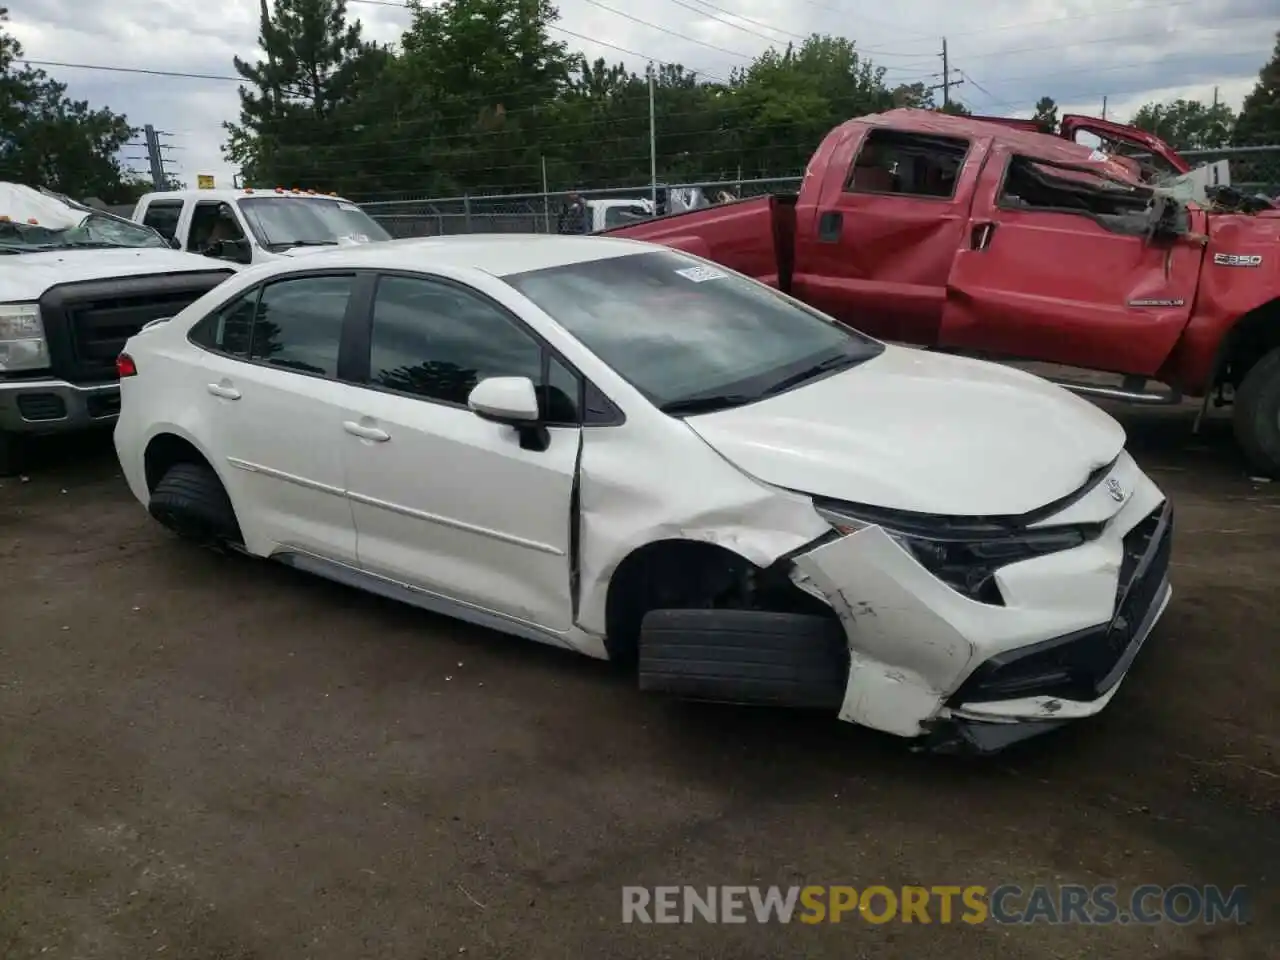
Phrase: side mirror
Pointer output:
(507, 400)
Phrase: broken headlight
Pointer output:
(964, 559)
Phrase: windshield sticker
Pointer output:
(1098, 156)
(701, 274)
(348, 206)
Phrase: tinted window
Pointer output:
(436, 341)
(299, 324)
(676, 327)
(228, 329)
(163, 217)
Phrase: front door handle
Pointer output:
(365, 433)
(223, 391)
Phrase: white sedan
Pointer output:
(629, 452)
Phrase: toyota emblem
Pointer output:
(1114, 488)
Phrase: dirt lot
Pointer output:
(214, 758)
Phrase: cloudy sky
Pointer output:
(1008, 53)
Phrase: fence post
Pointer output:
(466, 212)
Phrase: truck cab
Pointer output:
(75, 284)
(247, 226)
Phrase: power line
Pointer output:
(673, 33)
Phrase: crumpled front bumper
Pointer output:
(926, 661)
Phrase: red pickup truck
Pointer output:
(971, 236)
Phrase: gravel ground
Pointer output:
(206, 757)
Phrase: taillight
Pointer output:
(125, 367)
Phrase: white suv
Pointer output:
(632, 453)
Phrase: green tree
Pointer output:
(49, 140)
(786, 102)
(1187, 124)
(312, 66)
(1259, 121)
(1046, 112)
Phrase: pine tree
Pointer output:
(1259, 121)
(311, 66)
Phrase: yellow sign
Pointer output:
(204, 181)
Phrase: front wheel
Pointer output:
(1257, 415)
(11, 454)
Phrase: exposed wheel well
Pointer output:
(1255, 335)
(690, 574)
(163, 452)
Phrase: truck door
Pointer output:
(1059, 263)
(875, 248)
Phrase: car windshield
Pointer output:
(283, 222)
(691, 337)
(96, 230)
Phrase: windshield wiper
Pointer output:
(706, 403)
(309, 243)
(838, 362)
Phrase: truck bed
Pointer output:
(754, 236)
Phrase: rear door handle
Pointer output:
(830, 225)
(225, 392)
(980, 235)
(365, 433)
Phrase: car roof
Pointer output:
(237, 193)
(498, 254)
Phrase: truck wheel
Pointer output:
(11, 454)
(190, 501)
(1257, 415)
(745, 656)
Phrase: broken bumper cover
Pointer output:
(927, 661)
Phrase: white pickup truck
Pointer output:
(252, 226)
(75, 284)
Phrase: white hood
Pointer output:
(925, 432)
(25, 276)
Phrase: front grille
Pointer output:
(36, 407)
(87, 324)
(100, 328)
(1084, 665)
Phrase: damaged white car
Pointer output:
(629, 452)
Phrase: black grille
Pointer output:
(99, 328)
(88, 323)
(41, 406)
(1084, 665)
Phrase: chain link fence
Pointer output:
(535, 212)
(1253, 170)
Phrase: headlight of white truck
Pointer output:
(23, 346)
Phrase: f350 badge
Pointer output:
(1237, 260)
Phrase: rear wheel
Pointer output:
(1257, 415)
(190, 501)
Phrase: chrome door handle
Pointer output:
(226, 393)
(365, 433)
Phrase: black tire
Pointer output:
(745, 656)
(12, 454)
(1256, 416)
(190, 501)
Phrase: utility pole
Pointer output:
(1104, 106)
(653, 146)
(154, 158)
(1215, 97)
(947, 83)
